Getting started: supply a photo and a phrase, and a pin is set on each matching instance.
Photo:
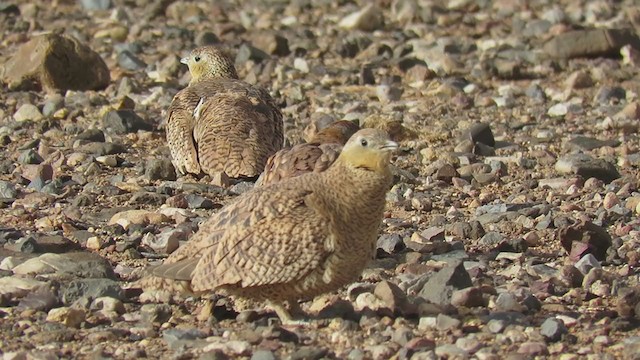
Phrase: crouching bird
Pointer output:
(314, 156)
(220, 124)
(295, 239)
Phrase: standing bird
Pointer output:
(315, 156)
(293, 240)
(219, 123)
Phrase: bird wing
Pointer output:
(180, 124)
(300, 159)
(270, 237)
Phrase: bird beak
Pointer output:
(389, 146)
(185, 60)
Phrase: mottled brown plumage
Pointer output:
(297, 238)
(315, 156)
(219, 123)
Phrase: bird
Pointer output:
(292, 240)
(314, 156)
(220, 124)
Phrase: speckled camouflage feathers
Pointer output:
(297, 238)
(315, 156)
(219, 123)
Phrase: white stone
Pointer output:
(28, 112)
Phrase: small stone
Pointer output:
(390, 243)
(166, 242)
(610, 200)
(584, 237)
(480, 133)
(90, 288)
(28, 112)
(14, 287)
(92, 134)
(95, 243)
(155, 313)
(553, 329)
(586, 263)
(496, 326)
(67, 316)
(42, 299)
(590, 43)
(248, 52)
(579, 80)
(392, 296)
(301, 65)
(588, 143)
(109, 160)
(441, 285)
(450, 351)
(96, 4)
(129, 61)
(199, 202)
(137, 217)
(469, 297)
(102, 148)
(607, 95)
(272, 44)
(159, 169)
(108, 304)
(507, 302)
(308, 353)
(446, 172)
(587, 167)
(470, 344)
(532, 348)
(388, 93)
(177, 337)
(368, 18)
(220, 179)
(263, 355)
(445, 322)
(7, 190)
(125, 121)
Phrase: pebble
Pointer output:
(91, 288)
(553, 329)
(125, 121)
(28, 112)
(587, 167)
(439, 287)
(368, 18)
(67, 316)
(137, 217)
(586, 263)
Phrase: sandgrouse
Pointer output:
(295, 239)
(315, 156)
(219, 123)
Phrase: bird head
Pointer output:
(369, 150)
(337, 133)
(209, 62)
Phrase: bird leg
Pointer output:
(286, 317)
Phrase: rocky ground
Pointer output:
(512, 230)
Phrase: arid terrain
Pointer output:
(511, 230)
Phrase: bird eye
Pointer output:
(364, 142)
(197, 58)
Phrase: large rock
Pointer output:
(590, 43)
(55, 62)
(441, 286)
